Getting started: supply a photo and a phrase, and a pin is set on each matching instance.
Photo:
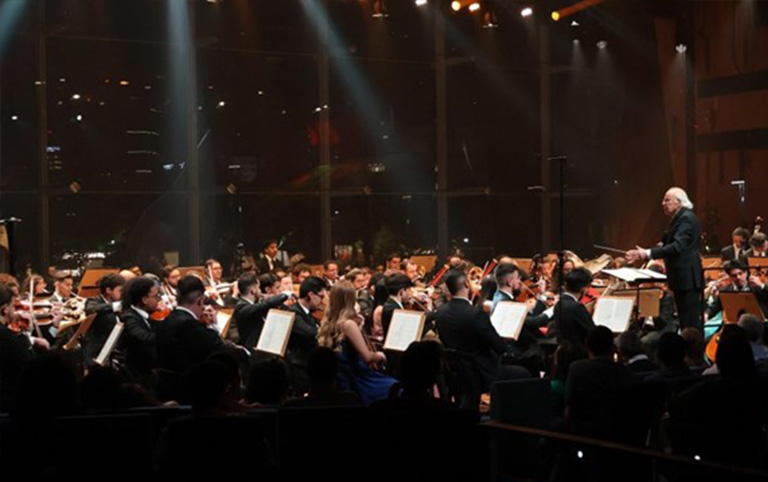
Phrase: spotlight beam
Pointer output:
(10, 12)
(575, 8)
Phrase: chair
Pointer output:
(463, 379)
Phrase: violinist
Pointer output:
(303, 338)
(251, 308)
(300, 272)
(216, 289)
(738, 281)
(63, 285)
(393, 261)
(399, 286)
(171, 277)
(38, 285)
(15, 351)
(21, 321)
(526, 349)
(412, 270)
(184, 338)
(141, 296)
(572, 321)
(331, 272)
(106, 306)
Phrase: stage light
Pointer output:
(14, 117)
(79, 118)
(526, 12)
(124, 83)
(222, 103)
(555, 16)
(421, 3)
(76, 97)
(681, 48)
(380, 9)
(490, 20)
(455, 5)
(602, 44)
(474, 7)
(574, 23)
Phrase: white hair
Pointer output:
(681, 196)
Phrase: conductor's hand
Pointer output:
(637, 254)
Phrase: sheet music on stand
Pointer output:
(223, 320)
(405, 328)
(508, 318)
(633, 275)
(613, 313)
(276, 332)
(110, 344)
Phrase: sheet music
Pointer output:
(277, 329)
(222, 318)
(613, 313)
(405, 328)
(508, 318)
(110, 344)
(632, 275)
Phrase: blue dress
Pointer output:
(356, 376)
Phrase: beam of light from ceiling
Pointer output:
(10, 13)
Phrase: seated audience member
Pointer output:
(420, 370)
(48, 389)
(267, 383)
(562, 359)
(754, 329)
(322, 368)
(694, 347)
(632, 355)
(206, 386)
(593, 387)
(734, 348)
(671, 356)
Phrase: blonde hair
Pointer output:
(341, 307)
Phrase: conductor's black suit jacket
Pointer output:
(680, 251)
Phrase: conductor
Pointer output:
(680, 252)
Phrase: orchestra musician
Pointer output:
(63, 285)
(758, 246)
(300, 272)
(572, 321)
(268, 261)
(251, 309)
(738, 249)
(331, 272)
(184, 338)
(106, 306)
(170, 281)
(15, 351)
(393, 261)
(399, 286)
(216, 289)
(138, 342)
(303, 338)
(738, 280)
(680, 252)
(467, 329)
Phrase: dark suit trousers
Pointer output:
(689, 308)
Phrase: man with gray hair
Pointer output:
(753, 326)
(680, 252)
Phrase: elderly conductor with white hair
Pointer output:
(680, 251)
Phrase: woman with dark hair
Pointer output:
(359, 364)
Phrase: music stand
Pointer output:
(735, 303)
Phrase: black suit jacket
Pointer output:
(680, 251)
(249, 318)
(263, 265)
(139, 343)
(751, 254)
(572, 323)
(303, 337)
(729, 253)
(468, 329)
(15, 353)
(102, 325)
(183, 341)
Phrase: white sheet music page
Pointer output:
(110, 344)
(277, 329)
(613, 313)
(404, 329)
(222, 317)
(508, 318)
